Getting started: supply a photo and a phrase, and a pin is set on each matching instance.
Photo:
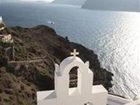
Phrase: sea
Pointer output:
(113, 35)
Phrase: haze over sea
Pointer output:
(114, 36)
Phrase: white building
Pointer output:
(84, 94)
(7, 38)
(2, 25)
(0, 19)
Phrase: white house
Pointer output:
(2, 25)
(0, 19)
(6, 38)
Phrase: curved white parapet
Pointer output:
(116, 100)
(115, 5)
(137, 97)
(137, 102)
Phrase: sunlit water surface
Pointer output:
(114, 36)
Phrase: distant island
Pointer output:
(27, 63)
(114, 5)
(69, 2)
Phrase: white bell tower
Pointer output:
(84, 94)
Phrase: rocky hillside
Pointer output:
(38, 48)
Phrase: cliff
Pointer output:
(27, 65)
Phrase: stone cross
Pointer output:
(74, 53)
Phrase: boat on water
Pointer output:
(50, 22)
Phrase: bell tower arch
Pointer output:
(84, 76)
